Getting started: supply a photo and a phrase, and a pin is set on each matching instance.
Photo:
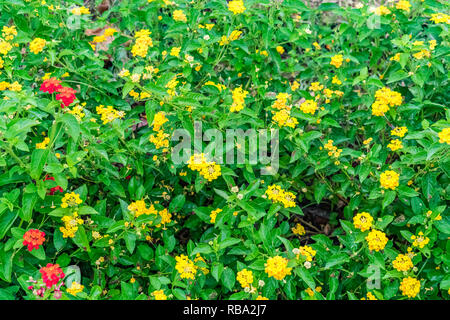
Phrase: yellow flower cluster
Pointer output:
(424, 53)
(8, 33)
(389, 179)
(444, 136)
(309, 106)
(109, 114)
(159, 295)
(166, 217)
(5, 47)
(238, 99)
(385, 98)
(77, 111)
(377, 240)
(337, 60)
(402, 263)
(198, 257)
(245, 278)
(299, 230)
(235, 34)
(279, 195)
(219, 86)
(236, 6)
(283, 119)
(403, 5)
(71, 200)
(419, 240)
(78, 11)
(213, 215)
(315, 86)
(307, 252)
(363, 221)
(75, 288)
(143, 42)
(440, 18)
(332, 150)
(382, 10)
(410, 287)
(171, 85)
(277, 267)
(395, 145)
(43, 144)
(70, 225)
(399, 131)
(175, 51)
(208, 169)
(37, 45)
(15, 86)
(178, 15)
(185, 267)
(280, 49)
(370, 296)
(160, 140)
(139, 208)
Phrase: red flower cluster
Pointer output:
(54, 189)
(65, 94)
(51, 274)
(33, 238)
(50, 85)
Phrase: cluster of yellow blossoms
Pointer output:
(377, 240)
(239, 95)
(70, 225)
(77, 111)
(109, 114)
(410, 287)
(75, 288)
(299, 230)
(15, 86)
(279, 195)
(139, 208)
(440, 18)
(161, 140)
(185, 267)
(385, 98)
(37, 45)
(236, 6)
(402, 263)
(420, 240)
(208, 169)
(382, 11)
(178, 15)
(159, 295)
(213, 215)
(363, 221)
(332, 150)
(71, 200)
(234, 35)
(245, 278)
(277, 267)
(283, 117)
(395, 145)
(8, 33)
(337, 60)
(444, 136)
(307, 252)
(43, 144)
(389, 179)
(370, 296)
(309, 106)
(403, 5)
(78, 11)
(143, 42)
(399, 131)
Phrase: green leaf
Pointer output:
(38, 160)
(72, 125)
